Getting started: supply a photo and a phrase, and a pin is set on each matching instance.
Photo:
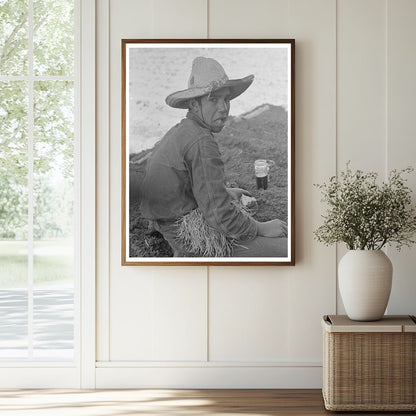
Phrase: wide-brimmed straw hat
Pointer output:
(207, 75)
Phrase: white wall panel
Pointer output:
(355, 88)
(150, 19)
(159, 316)
(361, 90)
(131, 18)
(401, 145)
(179, 19)
(131, 316)
(260, 19)
(248, 314)
(154, 313)
(311, 283)
(286, 335)
(361, 84)
(179, 309)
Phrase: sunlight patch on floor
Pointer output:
(107, 403)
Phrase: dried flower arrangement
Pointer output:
(365, 214)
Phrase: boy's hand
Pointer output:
(273, 228)
(236, 193)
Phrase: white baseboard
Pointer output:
(39, 378)
(169, 375)
(209, 377)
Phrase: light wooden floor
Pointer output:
(165, 402)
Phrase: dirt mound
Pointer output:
(259, 134)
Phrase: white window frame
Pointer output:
(81, 371)
(87, 301)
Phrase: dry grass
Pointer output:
(203, 240)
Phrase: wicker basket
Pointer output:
(369, 366)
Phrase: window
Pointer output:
(38, 180)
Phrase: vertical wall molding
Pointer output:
(208, 20)
(103, 180)
(387, 71)
(401, 133)
(336, 148)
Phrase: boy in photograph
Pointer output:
(185, 171)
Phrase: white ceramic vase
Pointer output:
(364, 278)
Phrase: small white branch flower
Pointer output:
(365, 215)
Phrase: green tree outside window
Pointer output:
(49, 24)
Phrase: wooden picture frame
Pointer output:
(258, 138)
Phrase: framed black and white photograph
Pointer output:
(208, 152)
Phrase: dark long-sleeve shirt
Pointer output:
(186, 172)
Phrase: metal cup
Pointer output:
(261, 169)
